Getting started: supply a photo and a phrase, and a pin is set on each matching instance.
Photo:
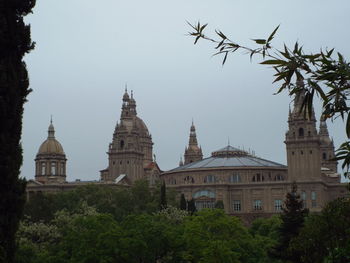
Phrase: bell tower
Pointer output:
(302, 143)
(193, 153)
(130, 151)
(327, 147)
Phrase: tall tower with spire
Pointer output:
(327, 148)
(130, 151)
(50, 161)
(193, 153)
(302, 143)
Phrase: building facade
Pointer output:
(252, 187)
(248, 186)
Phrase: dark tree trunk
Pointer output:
(183, 202)
(163, 202)
(14, 87)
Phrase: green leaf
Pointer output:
(260, 41)
(202, 27)
(272, 34)
(223, 62)
(348, 126)
(274, 62)
(219, 33)
(252, 54)
(197, 38)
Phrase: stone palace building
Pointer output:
(249, 186)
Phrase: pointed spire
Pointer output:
(299, 99)
(323, 127)
(181, 163)
(51, 130)
(193, 136)
(126, 95)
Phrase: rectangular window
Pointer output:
(204, 204)
(62, 169)
(53, 168)
(257, 205)
(313, 199)
(278, 205)
(43, 168)
(235, 178)
(237, 205)
(303, 198)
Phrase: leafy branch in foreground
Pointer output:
(325, 74)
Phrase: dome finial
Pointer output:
(228, 141)
(51, 130)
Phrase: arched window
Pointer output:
(172, 181)
(62, 169)
(235, 178)
(313, 199)
(53, 168)
(258, 178)
(122, 144)
(205, 193)
(43, 168)
(188, 180)
(210, 179)
(278, 177)
(303, 198)
(301, 132)
(204, 199)
(324, 156)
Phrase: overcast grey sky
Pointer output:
(87, 50)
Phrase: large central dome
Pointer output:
(51, 145)
(229, 157)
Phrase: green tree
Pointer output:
(115, 200)
(324, 74)
(191, 206)
(15, 42)
(293, 218)
(212, 236)
(152, 238)
(219, 204)
(326, 236)
(265, 232)
(183, 203)
(163, 201)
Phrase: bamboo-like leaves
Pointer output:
(325, 74)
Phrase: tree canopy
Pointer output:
(15, 42)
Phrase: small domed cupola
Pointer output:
(50, 161)
(126, 97)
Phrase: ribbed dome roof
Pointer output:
(229, 157)
(51, 145)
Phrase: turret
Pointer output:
(193, 153)
(50, 161)
(131, 148)
(302, 142)
(327, 147)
